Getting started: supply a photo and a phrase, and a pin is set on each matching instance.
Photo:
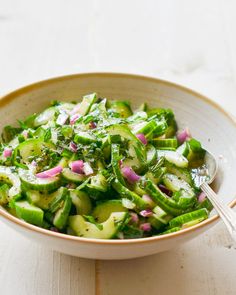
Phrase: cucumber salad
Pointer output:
(98, 169)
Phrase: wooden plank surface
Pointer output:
(186, 41)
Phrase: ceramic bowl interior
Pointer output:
(206, 120)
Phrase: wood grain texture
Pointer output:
(186, 41)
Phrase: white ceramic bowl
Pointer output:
(207, 121)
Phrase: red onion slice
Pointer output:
(183, 135)
(74, 118)
(50, 173)
(134, 217)
(129, 174)
(142, 138)
(145, 226)
(73, 147)
(165, 190)
(7, 152)
(77, 166)
(146, 213)
(202, 197)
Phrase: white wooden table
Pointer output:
(186, 41)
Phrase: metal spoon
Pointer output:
(227, 214)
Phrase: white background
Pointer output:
(186, 41)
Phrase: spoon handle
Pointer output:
(227, 214)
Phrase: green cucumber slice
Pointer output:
(27, 150)
(121, 107)
(61, 216)
(174, 183)
(146, 128)
(41, 200)
(115, 158)
(4, 191)
(165, 143)
(6, 175)
(57, 198)
(174, 158)
(160, 218)
(45, 116)
(87, 102)
(151, 154)
(99, 182)
(71, 176)
(49, 114)
(30, 181)
(138, 116)
(126, 193)
(183, 149)
(171, 230)
(189, 219)
(103, 210)
(182, 173)
(29, 213)
(84, 138)
(136, 149)
(81, 201)
(87, 229)
(162, 200)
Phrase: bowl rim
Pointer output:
(34, 86)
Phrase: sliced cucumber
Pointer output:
(86, 104)
(30, 181)
(81, 201)
(171, 230)
(6, 175)
(84, 137)
(28, 150)
(41, 200)
(136, 149)
(146, 128)
(156, 222)
(71, 176)
(126, 193)
(165, 143)
(174, 158)
(151, 154)
(49, 114)
(162, 200)
(138, 116)
(57, 199)
(189, 219)
(183, 149)
(115, 158)
(4, 191)
(196, 153)
(45, 116)
(159, 220)
(181, 173)
(99, 182)
(103, 210)
(121, 107)
(65, 107)
(61, 216)
(173, 183)
(33, 196)
(29, 213)
(87, 229)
